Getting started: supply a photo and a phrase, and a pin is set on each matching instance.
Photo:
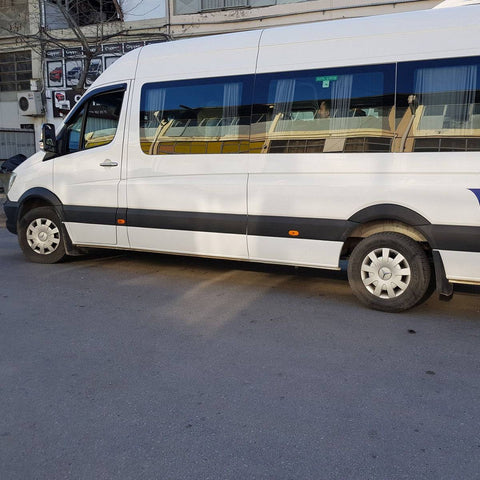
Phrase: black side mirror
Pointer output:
(48, 142)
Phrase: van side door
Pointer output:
(187, 166)
(87, 172)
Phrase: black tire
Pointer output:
(42, 236)
(389, 272)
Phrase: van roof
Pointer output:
(413, 35)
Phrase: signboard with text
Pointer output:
(64, 68)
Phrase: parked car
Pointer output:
(56, 74)
(74, 73)
(12, 163)
(7, 167)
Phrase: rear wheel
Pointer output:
(42, 236)
(389, 272)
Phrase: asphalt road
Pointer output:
(141, 366)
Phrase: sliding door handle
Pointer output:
(108, 163)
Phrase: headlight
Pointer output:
(9, 182)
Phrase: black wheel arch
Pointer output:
(42, 197)
(389, 211)
(39, 197)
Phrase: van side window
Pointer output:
(332, 110)
(96, 124)
(196, 116)
(439, 105)
(74, 131)
(329, 110)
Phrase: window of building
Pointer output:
(222, 4)
(13, 3)
(185, 7)
(15, 71)
(84, 12)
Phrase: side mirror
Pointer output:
(48, 142)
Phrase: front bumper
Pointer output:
(11, 212)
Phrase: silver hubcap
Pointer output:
(385, 273)
(43, 236)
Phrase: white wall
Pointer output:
(9, 117)
(12, 143)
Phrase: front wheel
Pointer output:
(389, 272)
(41, 235)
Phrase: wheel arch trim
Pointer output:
(42, 194)
(394, 215)
(389, 211)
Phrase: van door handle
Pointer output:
(108, 163)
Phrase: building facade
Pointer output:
(51, 50)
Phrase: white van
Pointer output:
(302, 145)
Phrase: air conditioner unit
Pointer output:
(30, 103)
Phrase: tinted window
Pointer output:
(102, 119)
(439, 99)
(319, 110)
(98, 126)
(196, 116)
(74, 130)
(352, 109)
